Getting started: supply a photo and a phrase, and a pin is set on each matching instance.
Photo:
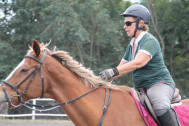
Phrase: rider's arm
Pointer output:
(122, 62)
(140, 60)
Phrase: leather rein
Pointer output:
(46, 107)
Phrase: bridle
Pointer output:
(48, 107)
(32, 75)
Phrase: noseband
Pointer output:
(32, 75)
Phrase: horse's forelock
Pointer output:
(43, 47)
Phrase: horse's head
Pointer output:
(26, 80)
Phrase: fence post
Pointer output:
(33, 111)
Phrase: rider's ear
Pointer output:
(36, 47)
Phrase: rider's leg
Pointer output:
(160, 96)
(169, 118)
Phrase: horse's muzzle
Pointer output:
(4, 108)
(3, 104)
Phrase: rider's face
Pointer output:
(130, 25)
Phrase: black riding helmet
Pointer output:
(138, 11)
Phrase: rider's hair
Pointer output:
(146, 28)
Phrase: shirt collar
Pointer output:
(138, 38)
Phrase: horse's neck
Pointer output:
(67, 86)
(63, 86)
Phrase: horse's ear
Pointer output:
(36, 47)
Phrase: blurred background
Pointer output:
(92, 32)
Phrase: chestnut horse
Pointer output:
(67, 81)
(54, 74)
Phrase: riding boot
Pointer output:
(169, 119)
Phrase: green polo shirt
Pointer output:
(155, 70)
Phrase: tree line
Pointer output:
(92, 32)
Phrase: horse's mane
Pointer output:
(83, 73)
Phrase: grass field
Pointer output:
(6, 122)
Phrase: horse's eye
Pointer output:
(24, 70)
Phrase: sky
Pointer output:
(134, 1)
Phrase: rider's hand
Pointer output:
(108, 73)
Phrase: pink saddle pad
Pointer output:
(183, 114)
(181, 110)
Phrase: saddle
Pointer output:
(141, 96)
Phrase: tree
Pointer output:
(154, 20)
(173, 27)
(92, 32)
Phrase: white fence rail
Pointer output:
(34, 114)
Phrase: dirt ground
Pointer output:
(35, 123)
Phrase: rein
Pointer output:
(54, 106)
(47, 107)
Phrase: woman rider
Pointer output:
(144, 59)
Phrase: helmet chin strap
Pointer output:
(137, 28)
